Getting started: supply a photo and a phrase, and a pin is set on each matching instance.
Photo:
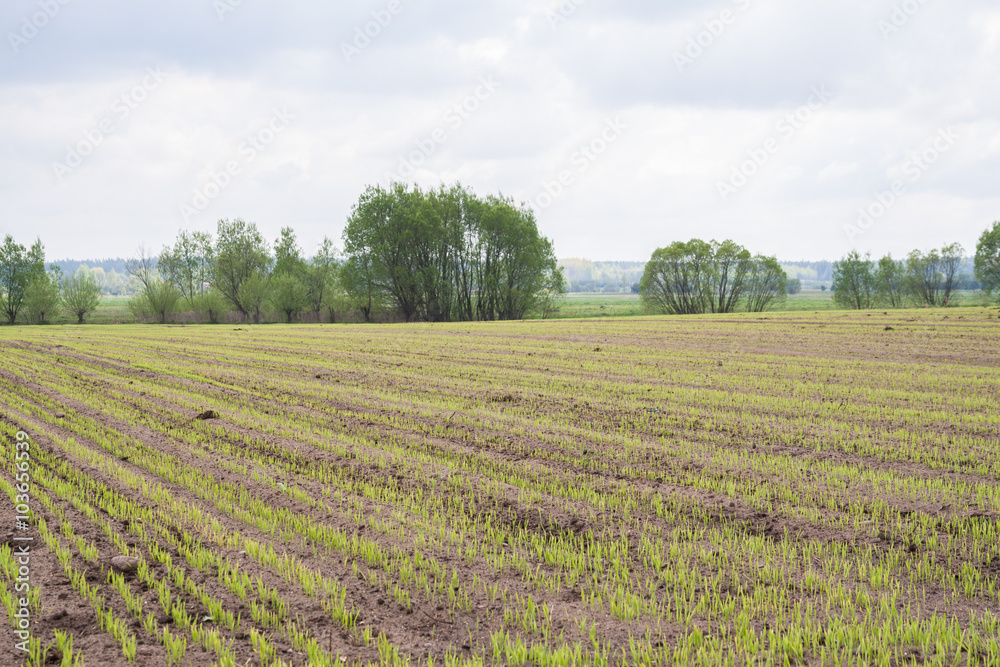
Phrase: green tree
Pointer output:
(42, 298)
(362, 290)
(81, 294)
(321, 281)
(157, 298)
(212, 304)
(446, 254)
(890, 282)
(794, 286)
(253, 294)
(726, 284)
(854, 281)
(287, 295)
(188, 264)
(988, 259)
(18, 265)
(932, 276)
(549, 300)
(699, 277)
(242, 266)
(675, 278)
(767, 284)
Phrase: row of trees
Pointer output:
(32, 294)
(922, 279)
(711, 277)
(235, 270)
(438, 256)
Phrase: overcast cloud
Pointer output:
(626, 125)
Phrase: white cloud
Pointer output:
(837, 170)
(354, 120)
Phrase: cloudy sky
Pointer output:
(800, 129)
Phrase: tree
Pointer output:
(42, 299)
(699, 277)
(549, 305)
(361, 288)
(988, 259)
(287, 295)
(794, 286)
(854, 281)
(212, 304)
(673, 282)
(188, 264)
(446, 254)
(157, 298)
(287, 291)
(253, 293)
(767, 284)
(730, 267)
(952, 258)
(18, 266)
(890, 282)
(81, 294)
(242, 266)
(321, 280)
(931, 276)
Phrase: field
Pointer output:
(788, 488)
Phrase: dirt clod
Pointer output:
(124, 564)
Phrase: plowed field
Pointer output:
(779, 489)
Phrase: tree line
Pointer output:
(437, 255)
(928, 278)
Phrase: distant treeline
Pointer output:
(443, 255)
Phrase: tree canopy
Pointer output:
(447, 255)
(710, 277)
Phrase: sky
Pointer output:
(798, 129)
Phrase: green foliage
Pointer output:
(891, 285)
(988, 259)
(362, 290)
(211, 304)
(794, 285)
(931, 276)
(854, 282)
(320, 277)
(446, 254)
(242, 265)
(18, 265)
(766, 285)
(157, 300)
(252, 295)
(700, 277)
(81, 294)
(287, 295)
(188, 264)
(42, 298)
